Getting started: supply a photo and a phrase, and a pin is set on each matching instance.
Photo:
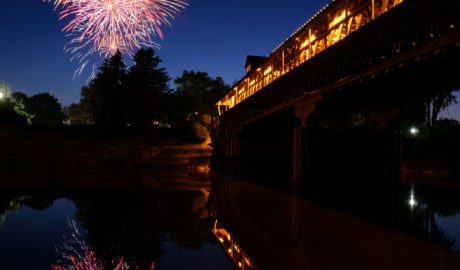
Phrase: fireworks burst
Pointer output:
(101, 27)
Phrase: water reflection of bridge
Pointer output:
(277, 230)
(355, 64)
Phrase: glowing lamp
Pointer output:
(414, 131)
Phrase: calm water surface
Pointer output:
(169, 228)
(235, 224)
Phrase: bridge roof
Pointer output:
(317, 14)
(254, 61)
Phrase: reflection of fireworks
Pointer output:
(77, 255)
(105, 26)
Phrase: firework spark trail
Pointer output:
(104, 26)
(75, 254)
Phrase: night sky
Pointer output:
(214, 36)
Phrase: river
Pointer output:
(225, 223)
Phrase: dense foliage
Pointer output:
(12, 110)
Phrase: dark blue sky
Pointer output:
(210, 35)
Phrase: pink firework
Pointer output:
(104, 26)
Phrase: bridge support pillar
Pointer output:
(231, 146)
(299, 141)
(297, 154)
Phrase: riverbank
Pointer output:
(62, 158)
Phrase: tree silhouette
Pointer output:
(435, 104)
(19, 96)
(147, 88)
(45, 107)
(137, 225)
(424, 111)
(76, 114)
(197, 93)
(103, 97)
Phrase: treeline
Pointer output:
(422, 115)
(19, 109)
(121, 96)
(140, 96)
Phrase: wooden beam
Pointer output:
(373, 9)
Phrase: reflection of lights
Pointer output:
(247, 261)
(232, 249)
(414, 131)
(412, 201)
(203, 169)
(74, 253)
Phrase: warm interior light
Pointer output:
(304, 44)
(338, 19)
(246, 260)
(267, 71)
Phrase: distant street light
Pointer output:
(2, 95)
(414, 131)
